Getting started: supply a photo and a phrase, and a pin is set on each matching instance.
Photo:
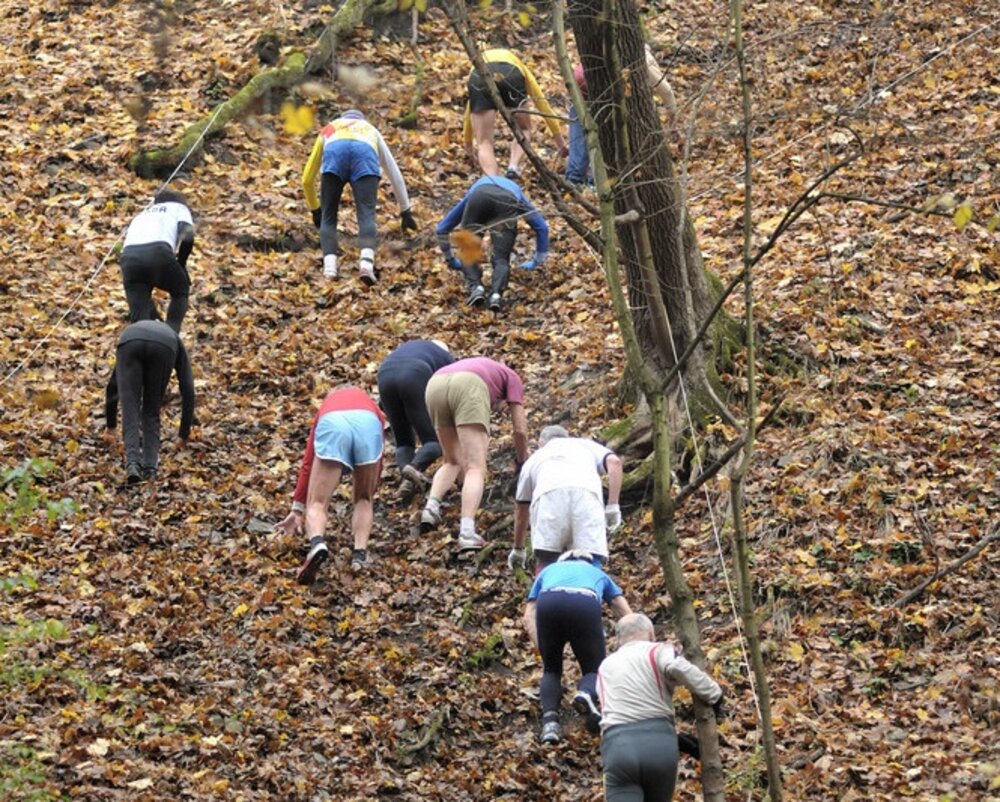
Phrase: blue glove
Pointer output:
(453, 263)
(538, 261)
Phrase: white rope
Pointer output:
(93, 276)
(715, 528)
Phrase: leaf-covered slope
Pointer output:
(187, 664)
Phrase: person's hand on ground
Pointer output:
(291, 525)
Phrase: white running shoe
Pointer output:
(471, 542)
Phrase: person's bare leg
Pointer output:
(323, 480)
(365, 482)
(451, 453)
(483, 129)
(474, 442)
(523, 121)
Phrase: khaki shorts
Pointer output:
(458, 399)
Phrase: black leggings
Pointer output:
(401, 386)
(640, 761)
(142, 371)
(495, 209)
(154, 265)
(573, 618)
(365, 192)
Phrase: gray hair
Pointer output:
(632, 627)
(551, 433)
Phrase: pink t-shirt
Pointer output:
(503, 383)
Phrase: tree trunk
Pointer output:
(664, 532)
(160, 162)
(641, 170)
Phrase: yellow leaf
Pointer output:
(420, 5)
(298, 119)
(796, 652)
(347, 729)
(72, 446)
(240, 610)
(46, 399)
(524, 18)
(468, 247)
(963, 215)
(993, 223)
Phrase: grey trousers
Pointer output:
(640, 761)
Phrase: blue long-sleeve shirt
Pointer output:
(524, 207)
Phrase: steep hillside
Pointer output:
(155, 646)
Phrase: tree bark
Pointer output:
(643, 177)
(664, 532)
(160, 162)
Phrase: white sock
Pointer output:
(368, 255)
(467, 526)
(433, 504)
(330, 264)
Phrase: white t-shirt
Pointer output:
(158, 223)
(563, 462)
(637, 683)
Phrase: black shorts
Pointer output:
(510, 83)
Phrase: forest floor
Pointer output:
(154, 644)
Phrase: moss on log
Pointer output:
(160, 162)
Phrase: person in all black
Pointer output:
(493, 204)
(155, 253)
(564, 606)
(402, 380)
(148, 352)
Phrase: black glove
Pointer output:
(719, 708)
(688, 745)
(407, 221)
(317, 217)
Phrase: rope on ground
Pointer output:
(97, 271)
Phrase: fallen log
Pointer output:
(160, 162)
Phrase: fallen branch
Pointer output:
(430, 733)
(159, 162)
(971, 554)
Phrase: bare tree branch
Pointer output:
(971, 554)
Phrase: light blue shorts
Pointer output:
(352, 437)
(350, 159)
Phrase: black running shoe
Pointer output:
(495, 302)
(477, 296)
(359, 559)
(584, 704)
(318, 552)
(133, 473)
